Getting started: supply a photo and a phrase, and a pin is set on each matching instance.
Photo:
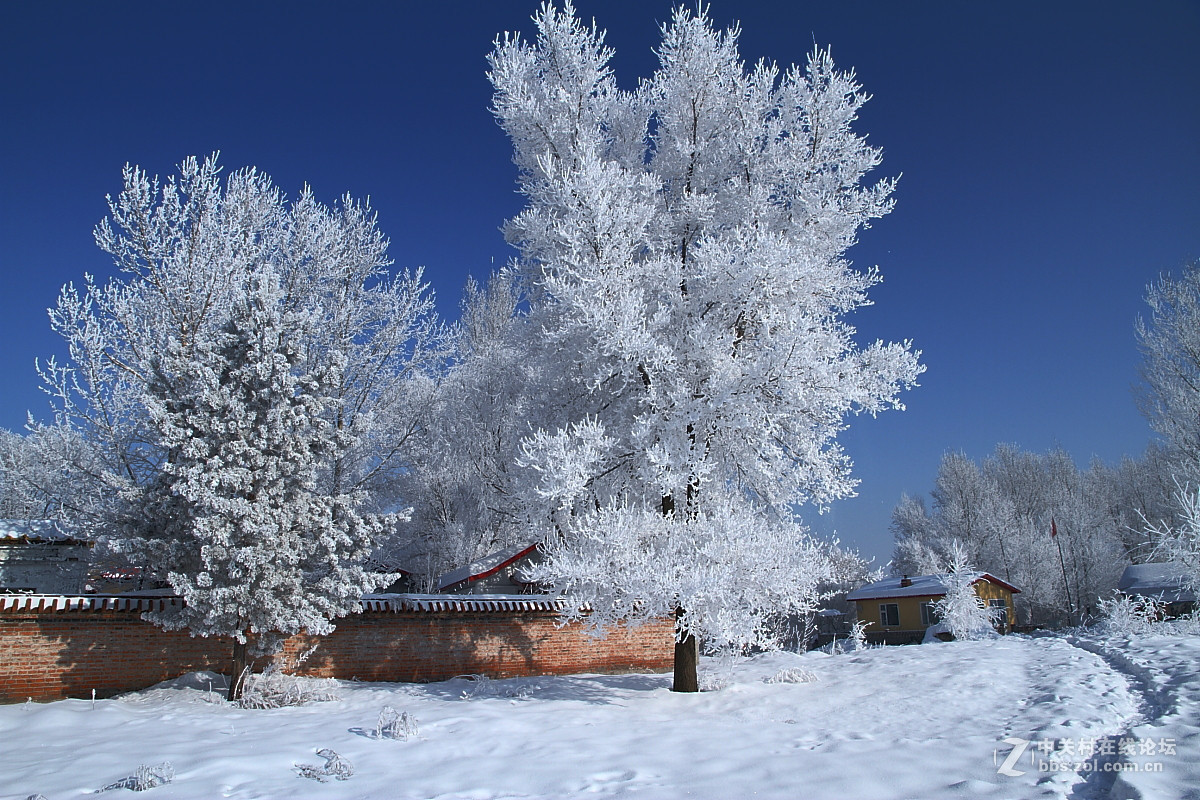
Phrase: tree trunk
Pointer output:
(687, 657)
(237, 672)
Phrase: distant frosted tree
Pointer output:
(684, 248)
(1001, 511)
(243, 384)
(468, 493)
(1170, 344)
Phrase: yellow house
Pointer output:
(899, 609)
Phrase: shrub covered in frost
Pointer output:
(334, 767)
(394, 724)
(1125, 615)
(483, 686)
(791, 675)
(273, 689)
(145, 777)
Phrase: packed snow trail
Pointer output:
(1164, 668)
(893, 723)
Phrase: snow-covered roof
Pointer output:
(916, 586)
(38, 531)
(1166, 581)
(484, 567)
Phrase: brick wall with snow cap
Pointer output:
(55, 647)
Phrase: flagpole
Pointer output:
(1062, 563)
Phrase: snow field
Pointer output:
(900, 722)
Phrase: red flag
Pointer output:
(1053, 528)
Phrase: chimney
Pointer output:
(904, 582)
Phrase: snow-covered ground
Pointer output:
(931, 721)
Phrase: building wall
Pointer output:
(46, 568)
(49, 655)
(990, 591)
(911, 628)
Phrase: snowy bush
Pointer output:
(962, 611)
(791, 675)
(394, 724)
(273, 689)
(145, 777)
(1125, 615)
(334, 767)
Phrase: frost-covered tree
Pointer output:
(184, 249)
(684, 247)
(235, 519)
(1170, 344)
(251, 373)
(961, 610)
(1180, 543)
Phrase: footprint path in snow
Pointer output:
(1150, 706)
(1072, 694)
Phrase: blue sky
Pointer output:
(1050, 154)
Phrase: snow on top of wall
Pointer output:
(429, 603)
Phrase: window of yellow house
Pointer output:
(929, 615)
(889, 615)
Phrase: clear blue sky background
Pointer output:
(1050, 154)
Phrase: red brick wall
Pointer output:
(51, 655)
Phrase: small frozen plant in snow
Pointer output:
(856, 639)
(791, 675)
(394, 724)
(335, 767)
(483, 686)
(273, 689)
(145, 777)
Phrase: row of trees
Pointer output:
(1063, 535)
(254, 408)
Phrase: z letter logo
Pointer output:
(1018, 750)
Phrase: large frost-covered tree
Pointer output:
(684, 248)
(1170, 344)
(248, 377)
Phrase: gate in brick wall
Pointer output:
(52, 647)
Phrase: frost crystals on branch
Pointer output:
(683, 254)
